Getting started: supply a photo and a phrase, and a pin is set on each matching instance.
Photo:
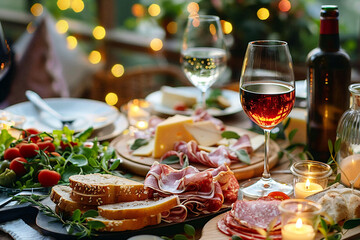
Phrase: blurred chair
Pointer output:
(137, 82)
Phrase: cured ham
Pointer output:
(203, 115)
(250, 219)
(222, 155)
(200, 192)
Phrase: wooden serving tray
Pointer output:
(211, 231)
(141, 165)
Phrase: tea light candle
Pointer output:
(350, 167)
(139, 112)
(304, 189)
(297, 231)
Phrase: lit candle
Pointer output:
(304, 189)
(350, 167)
(297, 231)
(139, 113)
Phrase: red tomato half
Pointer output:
(48, 178)
(278, 196)
(31, 131)
(11, 153)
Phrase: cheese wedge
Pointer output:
(146, 150)
(205, 132)
(173, 96)
(169, 132)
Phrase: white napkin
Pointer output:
(19, 230)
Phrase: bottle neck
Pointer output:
(355, 101)
(329, 35)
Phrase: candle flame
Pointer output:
(299, 223)
(307, 184)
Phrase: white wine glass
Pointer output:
(267, 95)
(203, 53)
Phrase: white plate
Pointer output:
(86, 112)
(232, 96)
(111, 131)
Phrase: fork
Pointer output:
(41, 104)
(22, 193)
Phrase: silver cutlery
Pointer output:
(42, 105)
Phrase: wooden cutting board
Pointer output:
(141, 165)
(211, 231)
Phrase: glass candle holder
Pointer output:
(310, 177)
(139, 113)
(299, 219)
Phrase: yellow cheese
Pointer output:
(173, 96)
(169, 132)
(204, 132)
(146, 150)
(298, 121)
(227, 141)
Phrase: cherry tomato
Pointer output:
(65, 145)
(29, 150)
(46, 139)
(11, 153)
(46, 145)
(17, 166)
(31, 131)
(55, 154)
(48, 178)
(180, 107)
(278, 196)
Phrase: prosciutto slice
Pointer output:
(203, 115)
(247, 218)
(199, 192)
(222, 155)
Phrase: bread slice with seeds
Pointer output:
(60, 195)
(106, 184)
(137, 209)
(126, 224)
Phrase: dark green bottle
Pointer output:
(328, 78)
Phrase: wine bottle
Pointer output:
(328, 78)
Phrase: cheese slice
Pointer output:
(207, 149)
(169, 132)
(146, 150)
(226, 141)
(257, 142)
(173, 96)
(204, 132)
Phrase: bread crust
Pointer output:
(138, 208)
(127, 224)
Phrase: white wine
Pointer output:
(203, 65)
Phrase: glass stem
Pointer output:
(203, 99)
(266, 173)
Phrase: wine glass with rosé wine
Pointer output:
(267, 95)
(203, 53)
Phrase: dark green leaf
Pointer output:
(230, 134)
(243, 156)
(292, 134)
(69, 171)
(87, 152)
(115, 164)
(234, 237)
(90, 213)
(83, 136)
(180, 237)
(171, 160)
(330, 146)
(189, 230)
(352, 223)
(108, 154)
(138, 143)
(96, 224)
(93, 162)
(76, 215)
(78, 160)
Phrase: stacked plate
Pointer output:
(106, 120)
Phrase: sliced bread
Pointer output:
(106, 184)
(127, 224)
(60, 195)
(137, 209)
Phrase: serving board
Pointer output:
(141, 165)
(211, 231)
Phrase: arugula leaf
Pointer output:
(83, 136)
(243, 156)
(78, 160)
(95, 225)
(230, 134)
(352, 223)
(115, 164)
(139, 143)
(90, 213)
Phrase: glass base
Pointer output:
(259, 187)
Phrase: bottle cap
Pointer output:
(329, 11)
